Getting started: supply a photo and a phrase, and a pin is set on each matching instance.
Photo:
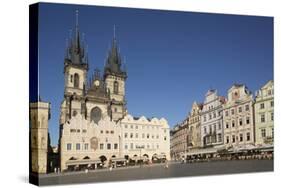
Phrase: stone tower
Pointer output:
(75, 76)
(115, 77)
(39, 116)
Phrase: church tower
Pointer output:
(39, 116)
(75, 76)
(115, 77)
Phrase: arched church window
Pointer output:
(115, 89)
(76, 80)
(96, 114)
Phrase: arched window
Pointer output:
(96, 114)
(115, 89)
(76, 80)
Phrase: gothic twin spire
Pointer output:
(77, 54)
(75, 51)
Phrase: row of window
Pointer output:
(77, 146)
(240, 110)
(143, 136)
(78, 130)
(241, 138)
(262, 117)
(262, 105)
(107, 132)
(194, 120)
(135, 146)
(240, 122)
(213, 128)
(214, 139)
(143, 126)
(211, 115)
(269, 92)
(263, 133)
(86, 146)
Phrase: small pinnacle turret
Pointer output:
(76, 53)
(114, 62)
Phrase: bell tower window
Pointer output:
(76, 80)
(115, 89)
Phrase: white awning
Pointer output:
(82, 162)
(118, 159)
(202, 151)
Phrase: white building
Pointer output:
(264, 114)
(212, 119)
(238, 122)
(143, 137)
(85, 143)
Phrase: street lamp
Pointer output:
(140, 147)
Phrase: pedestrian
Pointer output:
(166, 164)
(55, 170)
(110, 165)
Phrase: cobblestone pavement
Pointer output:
(158, 171)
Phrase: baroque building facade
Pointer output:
(238, 117)
(264, 114)
(88, 144)
(212, 120)
(179, 137)
(144, 137)
(194, 122)
(94, 117)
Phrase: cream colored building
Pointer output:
(39, 116)
(264, 114)
(147, 138)
(85, 143)
(212, 120)
(194, 125)
(238, 122)
(179, 140)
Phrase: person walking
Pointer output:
(166, 164)
(110, 165)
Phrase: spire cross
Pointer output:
(77, 14)
(114, 31)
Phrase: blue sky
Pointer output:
(172, 58)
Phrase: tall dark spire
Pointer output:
(76, 49)
(114, 61)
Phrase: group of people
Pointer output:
(247, 155)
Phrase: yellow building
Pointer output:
(194, 125)
(264, 114)
(39, 116)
